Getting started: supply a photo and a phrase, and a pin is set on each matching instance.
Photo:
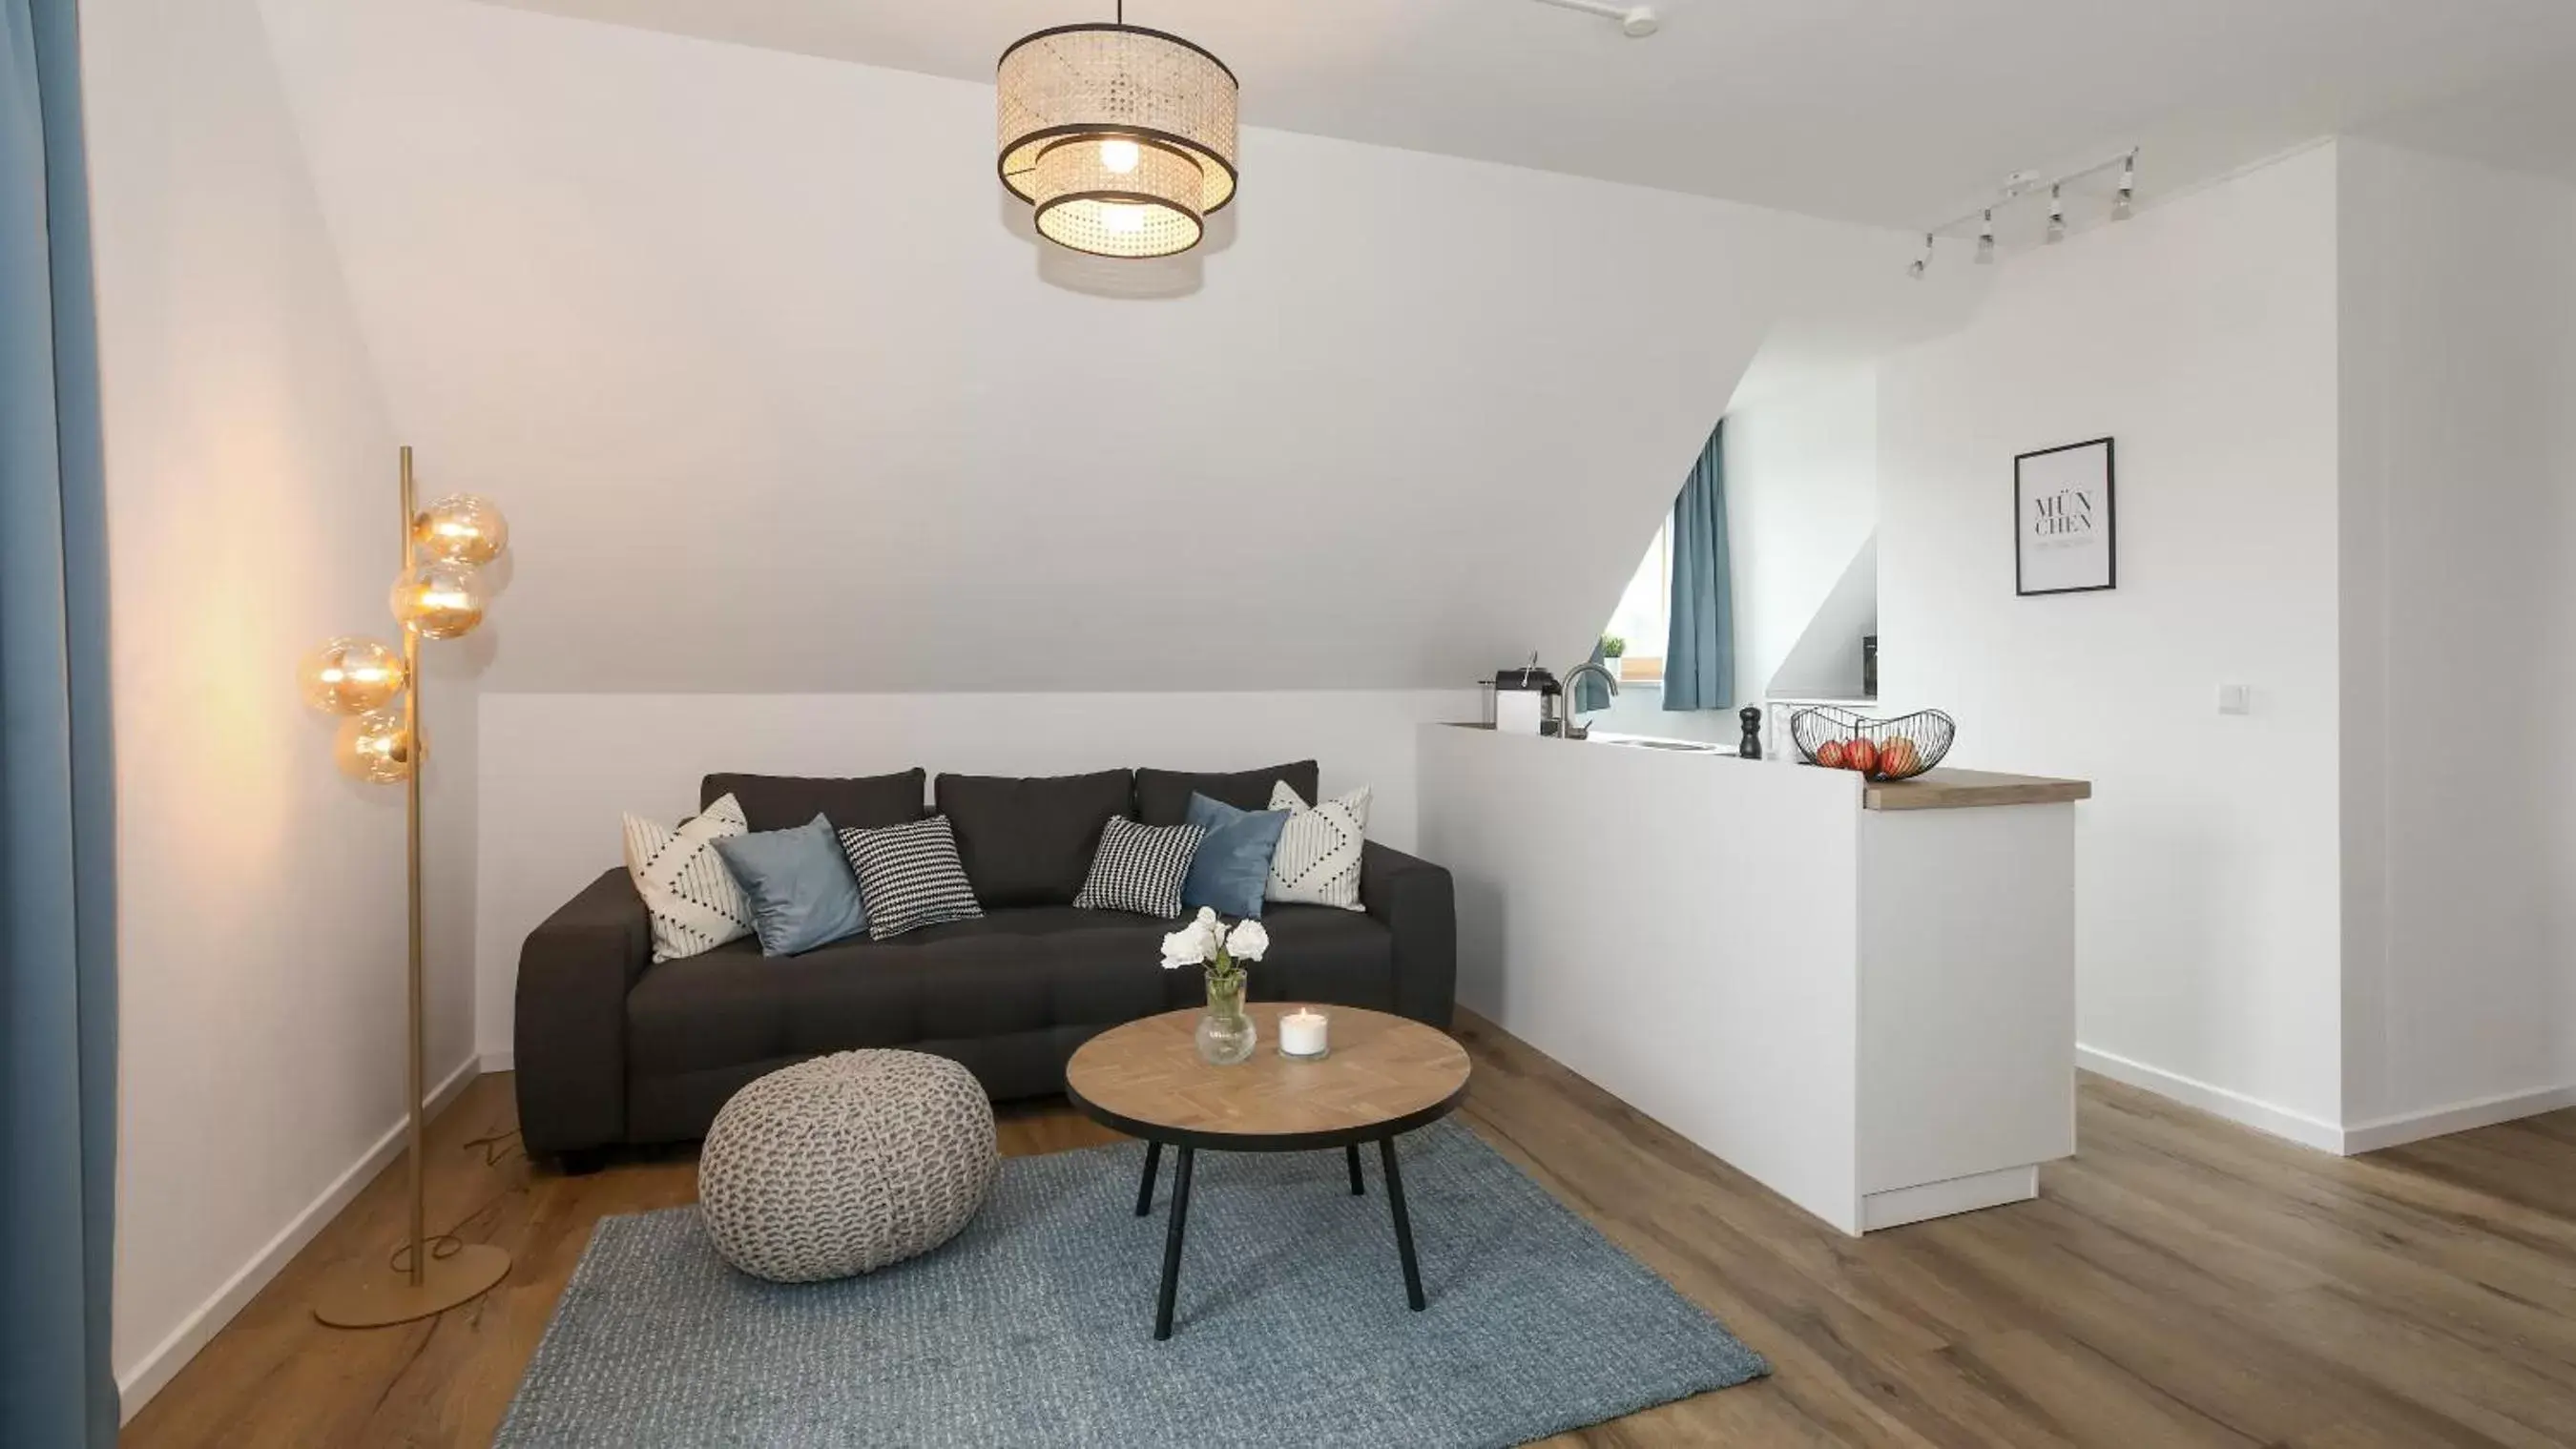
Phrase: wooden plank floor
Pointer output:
(2181, 1281)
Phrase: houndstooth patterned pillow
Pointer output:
(1140, 868)
(1318, 860)
(695, 902)
(846, 1163)
(910, 876)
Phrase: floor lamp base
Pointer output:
(373, 1295)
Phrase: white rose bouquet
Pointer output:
(1207, 941)
(1225, 1035)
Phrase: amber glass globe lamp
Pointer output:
(374, 747)
(351, 675)
(460, 528)
(439, 600)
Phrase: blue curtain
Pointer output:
(57, 853)
(1699, 658)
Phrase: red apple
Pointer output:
(1830, 754)
(1861, 755)
(1900, 759)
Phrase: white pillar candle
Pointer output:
(1301, 1033)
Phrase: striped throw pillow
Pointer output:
(910, 876)
(1318, 860)
(695, 902)
(1140, 868)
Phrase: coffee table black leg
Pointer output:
(1172, 1246)
(1145, 1189)
(1395, 1201)
(1353, 1149)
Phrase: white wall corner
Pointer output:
(162, 1362)
(2218, 1101)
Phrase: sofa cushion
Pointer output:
(1319, 855)
(782, 802)
(1232, 866)
(801, 891)
(1163, 796)
(1034, 970)
(1320, 954)
(695, 902)
(909, 876)
(1140, 868)
(1028, 841)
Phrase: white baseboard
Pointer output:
(2370, 1136)
(499, 1062)
(2408, 1127)
(2218, 1101)
(1899, 1206)
(136, 1387)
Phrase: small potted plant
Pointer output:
(1225, 1035)
(1613, 649)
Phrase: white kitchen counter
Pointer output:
(1870, 1010)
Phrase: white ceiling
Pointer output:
(1894, 112)
(778, 405)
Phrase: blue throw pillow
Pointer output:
(802, 893)
(1233, 862)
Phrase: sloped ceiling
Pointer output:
(780, 394)
(1895, 112)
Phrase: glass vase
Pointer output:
(1226, 1036)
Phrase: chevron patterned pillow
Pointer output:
(1318, 860)
(695, 902)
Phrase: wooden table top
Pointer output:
(1968, 789)
(1384, 1074)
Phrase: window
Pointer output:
(1642, 616)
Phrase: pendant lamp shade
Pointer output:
(1123, 138)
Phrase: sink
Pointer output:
(1687, 746)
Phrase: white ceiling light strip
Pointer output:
(2028, 187)
(1635, 21)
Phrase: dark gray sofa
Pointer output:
(613, 1049)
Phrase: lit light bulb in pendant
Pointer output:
(1122, 218)
(352, 676)
(1986, 240)
(1119, 155)
(374, 747)
(2056, 216)
(461, 528)
(438, 599)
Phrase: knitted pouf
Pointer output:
(846, 1163)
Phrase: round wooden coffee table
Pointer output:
(1384, 1076)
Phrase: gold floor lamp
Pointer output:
(438, 595)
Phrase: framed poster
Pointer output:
(2064, 526)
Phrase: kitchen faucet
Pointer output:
(1566, 728)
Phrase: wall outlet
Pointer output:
(2235, 699)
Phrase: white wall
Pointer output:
(2459, 619)
(558, 769)
(1801, 501)
(786, 400)
(2202, 335)
(251, 513)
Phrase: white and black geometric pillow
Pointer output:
(1318, 860)
(910, 876)
(695, 902)
(1140, 868)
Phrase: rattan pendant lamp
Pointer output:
(1123, 138)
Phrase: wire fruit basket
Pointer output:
(1883, 749)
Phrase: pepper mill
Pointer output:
(1751, 747)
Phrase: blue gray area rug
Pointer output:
(1035, 1325)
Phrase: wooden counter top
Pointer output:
(1963, 789)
